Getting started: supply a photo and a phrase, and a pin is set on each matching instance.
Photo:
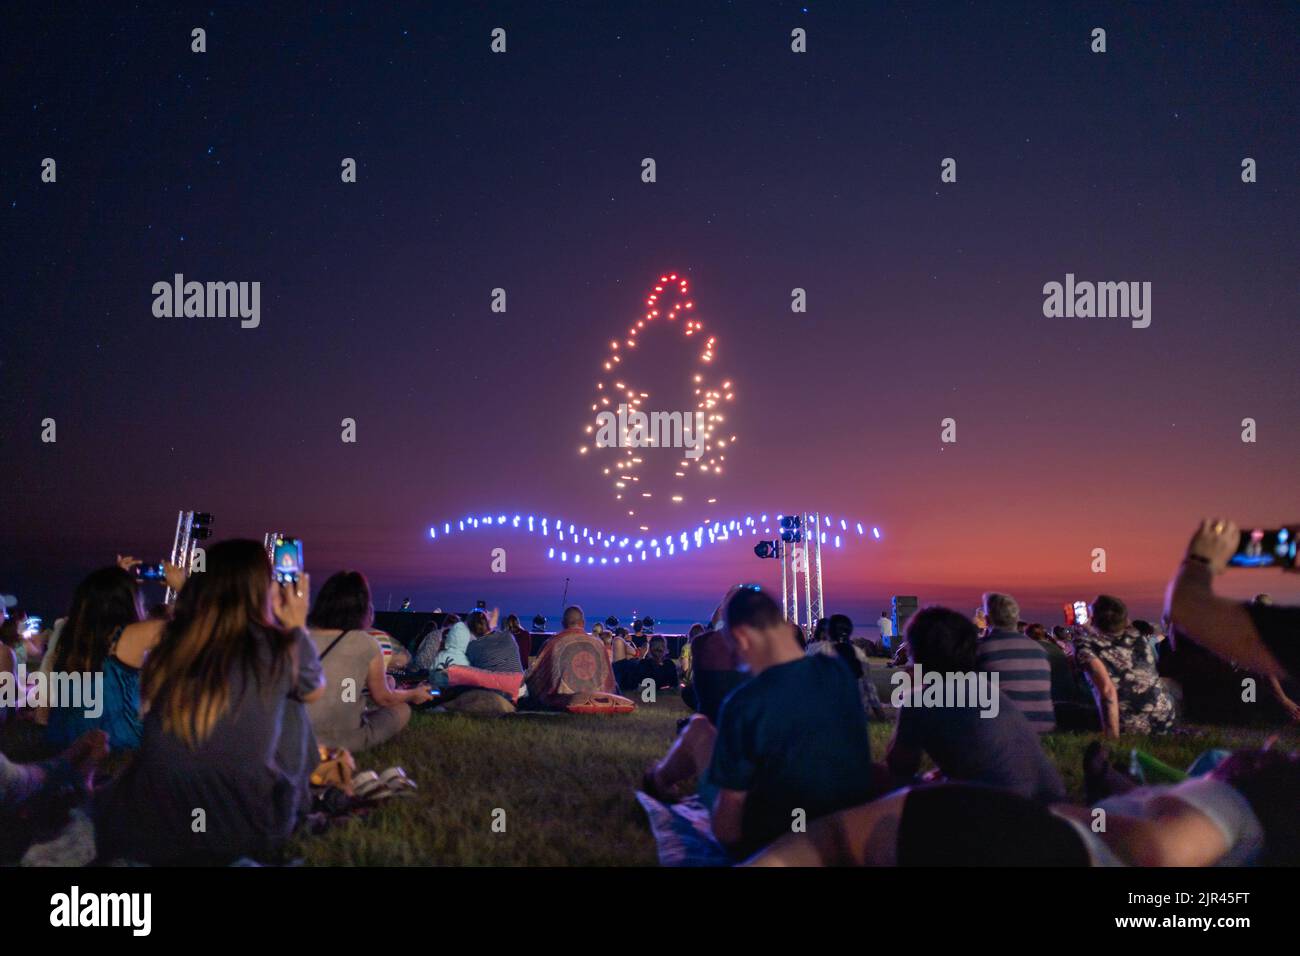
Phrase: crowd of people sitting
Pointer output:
(226, 701)
(993, 796)
(218, 709)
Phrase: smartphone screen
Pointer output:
(286, 560)
(1077, 613)
(149, 572)
(1260, 548)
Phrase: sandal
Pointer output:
(397, 783)
(367, 786)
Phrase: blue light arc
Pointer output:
(572, 543)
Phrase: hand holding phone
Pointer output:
(290, 601)
(1214, 543)
(174, 575)
(420, 694)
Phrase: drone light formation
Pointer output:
(668, 302)
(594, 547)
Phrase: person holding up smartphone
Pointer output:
(224, 726)
(104, 636)
(1258, 637)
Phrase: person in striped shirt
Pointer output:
(1024, 672)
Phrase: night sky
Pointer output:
(775, 170)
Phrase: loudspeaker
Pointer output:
(903, 607)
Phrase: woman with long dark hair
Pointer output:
(104, 640)
(223, 763)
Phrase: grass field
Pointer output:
(565, 783)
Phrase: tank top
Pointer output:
(119, 707)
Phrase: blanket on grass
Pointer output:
(682, 832)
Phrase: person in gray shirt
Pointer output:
(999, 748)
(353, 661)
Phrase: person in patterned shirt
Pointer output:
(1120, 666)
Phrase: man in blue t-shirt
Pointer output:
(792, 742)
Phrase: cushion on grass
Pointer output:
(506, 682)
(599, 704)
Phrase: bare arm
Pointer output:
(137, 641)
(865, 835)
(1286, 703)
(1107, 697)
(1216, 623)
(383, 694)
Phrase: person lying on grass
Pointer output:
(1241, 813)
(455, 648)
(430, 645)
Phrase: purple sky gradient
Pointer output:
(775, 171)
